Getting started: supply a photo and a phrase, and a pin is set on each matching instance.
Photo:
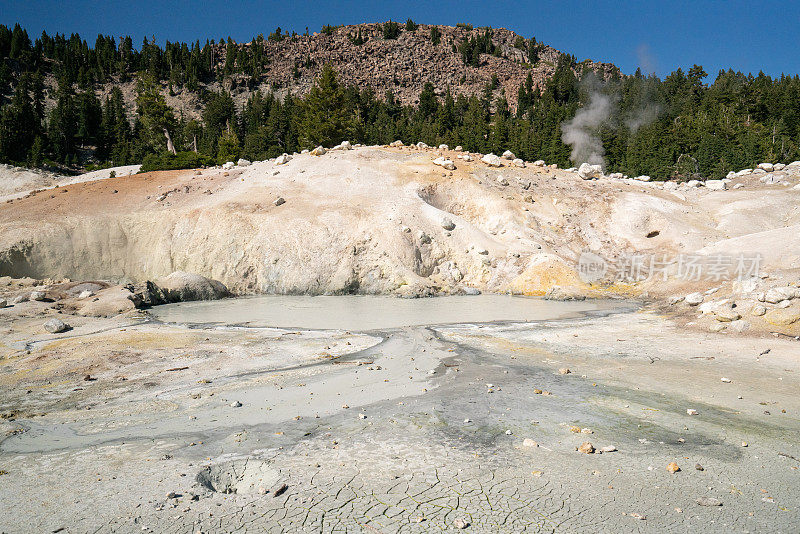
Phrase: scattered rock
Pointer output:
(319, 151)
(691, 411)
(672, 467)
(716, 185)
(279, 201)
(461, 524)
(448, 225)
(608, 448)
(518, 163)
(694, 299)
(586, 448)
(538, 163)
(38, 296)
(3, 303)
(709, 501)
(725, 380)
(564, 371)
(283, 159)
(243, 163)
(362, 416)
(782, 316)
(444, 162)
(236, 404)
(182, 286)
(643, 178)
(492, 160)
(528, 442)
(56, 326)
(699, 467)
(587, 171)
(758, 310)
(509, 155)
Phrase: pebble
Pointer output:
(586, 448)
(709, 501)
(673, 467)
(508, 432)
(467, 420)
(461, 523)
(699, 467)
(528, 442)
(564, 371)
(608, 448)
(236, 404)
(691, 411)
(725, 380)
(362, 416)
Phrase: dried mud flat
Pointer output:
(131, 425)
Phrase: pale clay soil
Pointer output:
(128, 424)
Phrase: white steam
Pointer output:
(581, 132)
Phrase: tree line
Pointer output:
(679, 126)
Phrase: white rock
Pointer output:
(779, 166)
(777, 294)
(422, 145)
(243, 163)
(228, 165)
(608, 448)
(38, 295)
(396, 143)
(691, 411)
(769, 167)
(587, 172)
(509, 155)
(518, 163)
(466, 157)
(283, 159)
(492, 160)
(362, 416)
(19, 299)
(716, 185)
(670, 186)
(725, 380)
(236, 404)
(540, 163)
(56, 326)
(344, 145)
(502, 181)
(319, 151)
(643, 178)
(693, 299)
(444, 162)
(304, 151)
(443, 147)
(528, 442)
(85, 294)
(758, 310)
(694, 183)
(458, 148)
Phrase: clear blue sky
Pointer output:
(660, 36)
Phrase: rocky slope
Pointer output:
(390, 220)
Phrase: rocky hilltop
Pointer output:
(402, 65)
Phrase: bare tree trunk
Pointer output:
(194, 144)
(170, 146)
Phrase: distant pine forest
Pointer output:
(680, 127)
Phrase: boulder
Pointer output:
(447, 224)
(758, 310)
(38, 295)
(228, 165)
(779, 166)
(783, 316)
(509, 155)
(279, 201)
(518, 163)
(283, 159)
(769, 167)
(146, 294)
(396, 143)
(694, 299)
(319, 151)
(466, 157)
(538, 163)
(716, 185)
(694, 183)
(458, 148)
(243, 163)
(492, 160)
(19, 299)
(443, 147)
(3, 303)
(56, 326)
(726, 314)
(643, 178)
(182, 286)
(588, 172)
(422, 145)
(777, 294)
(444, 162)
(344, 145)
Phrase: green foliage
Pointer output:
(391, 30)
(436, 35)
(166, 161)
(464, 25)
(276, 36)
(326, 120)
(328, 29)
(411, 26)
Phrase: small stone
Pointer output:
(586, 448)
(236, 404)
(508, 432)
(725, 380)
(448, 225)
(528, 442)
(673, 467)
(699, 467)
(3, 303)
(56, 326)
(608, 448)
(467, 420)
(587, 431)
(691, 411)
(575, 429)
(564, 371)
(745, 444)
(362, 416)
(345, 406)
(537, 391)
(279, 201)
(38, 295)
(637, 516)
(709, 501)
(461, 523)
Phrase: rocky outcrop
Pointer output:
(181, 287)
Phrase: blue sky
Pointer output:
(658, 36)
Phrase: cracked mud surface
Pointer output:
(152, 442)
